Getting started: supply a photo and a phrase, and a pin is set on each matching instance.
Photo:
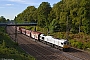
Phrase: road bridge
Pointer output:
(18, 24)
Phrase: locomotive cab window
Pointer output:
(66, 43)
(61, 43)
(42, 37)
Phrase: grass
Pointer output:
(10, 49)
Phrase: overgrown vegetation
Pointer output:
(10, 50)
(80, 40)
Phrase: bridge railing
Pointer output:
(18, 24)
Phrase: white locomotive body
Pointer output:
(59, 43)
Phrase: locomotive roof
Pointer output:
(49, 36)
(62, 40)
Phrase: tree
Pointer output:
(8, 20)
(2, 19)
(54, 26)
(51, 16)
(28, 15)
(3, 44)
(57, 8)
(43, 11)
(86, 16)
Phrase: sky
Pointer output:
(11, 8)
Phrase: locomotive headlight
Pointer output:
(66, 46)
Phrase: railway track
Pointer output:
(79, 54)
(43, 52)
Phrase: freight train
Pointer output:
(61, 44)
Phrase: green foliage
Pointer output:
(3, 44)
(43, 11)
(10, 50)
(71, 15)
(75, 11)
(73, 43)
(88, 45)
(54, 26)
(2, 19)
(79, 44)
(28, 15)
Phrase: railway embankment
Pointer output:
(10, 50)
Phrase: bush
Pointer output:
(76, 44)
(79, 45)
